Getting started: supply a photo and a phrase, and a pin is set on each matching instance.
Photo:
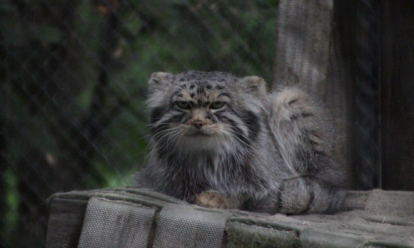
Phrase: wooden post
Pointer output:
(397, 76)
(311, 51)
(303, 32)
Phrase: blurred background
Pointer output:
(73, 85)
(73, 79)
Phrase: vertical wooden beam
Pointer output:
(315, 49)
(303, 34)
(397, 76)
(365, 117)
(340, 84)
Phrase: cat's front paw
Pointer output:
(211, 199)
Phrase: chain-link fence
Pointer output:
(73, 81)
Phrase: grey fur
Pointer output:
(269, 152)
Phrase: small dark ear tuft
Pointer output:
(255, 85)
(160, 81)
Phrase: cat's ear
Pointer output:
(160, 81)
(254, 85)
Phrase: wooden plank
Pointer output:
(397, 73)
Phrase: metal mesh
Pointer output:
(73, 80)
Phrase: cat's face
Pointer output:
(198, 111)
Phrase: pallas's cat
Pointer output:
(223, 142)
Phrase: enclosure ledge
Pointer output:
(132, 217)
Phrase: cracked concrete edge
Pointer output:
(255, 231)
(137, 196)
(244, 232)
(258, 230)
(353, 199)
(243, 235)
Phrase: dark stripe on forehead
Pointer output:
(200, 90)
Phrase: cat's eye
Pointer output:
(217, 105)
(183, 105)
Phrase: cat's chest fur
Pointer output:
(227, 174)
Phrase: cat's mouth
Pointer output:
(197, 139)
(200, 133)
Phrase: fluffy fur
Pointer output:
(213, 132)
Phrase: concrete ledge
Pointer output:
(368, 219)
(240, 234)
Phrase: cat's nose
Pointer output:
(198, 123)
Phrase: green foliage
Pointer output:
(12, 200)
